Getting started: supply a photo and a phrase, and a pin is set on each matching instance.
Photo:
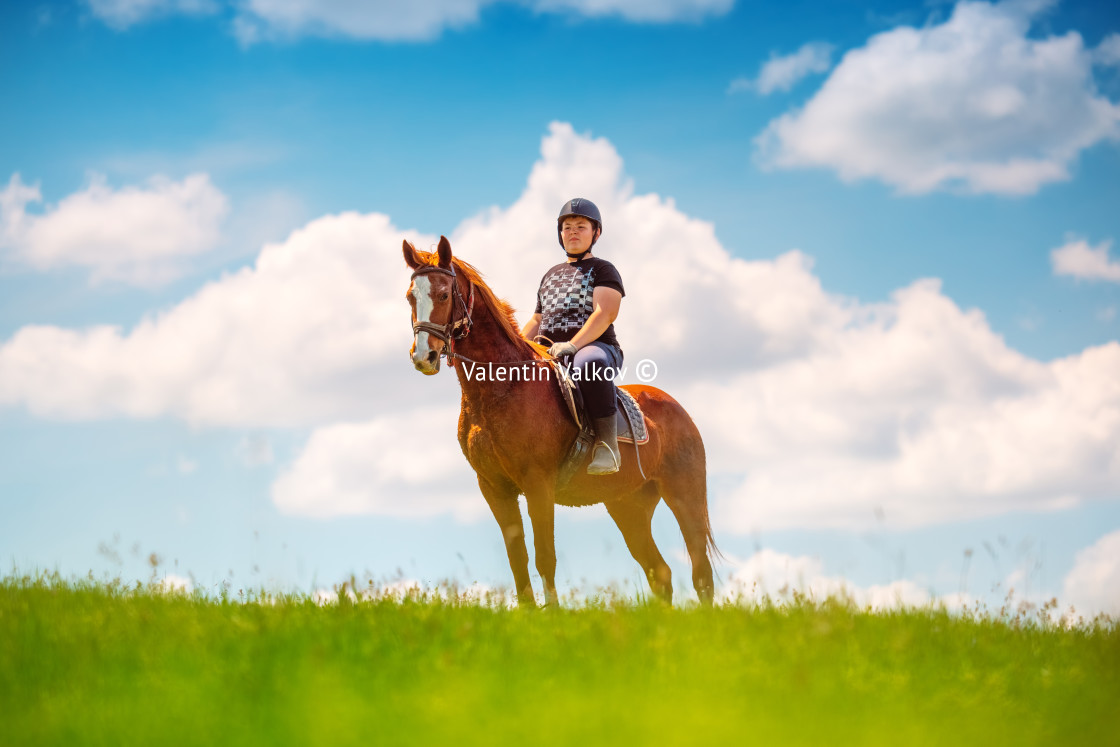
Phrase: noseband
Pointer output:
(455, 329)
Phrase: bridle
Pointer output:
(455, 329)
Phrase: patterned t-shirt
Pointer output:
(564, 299)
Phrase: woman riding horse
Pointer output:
(577, 303)
(515, 431)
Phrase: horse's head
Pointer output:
(439, 312)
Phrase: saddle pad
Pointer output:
(628, 411)
(631, 422)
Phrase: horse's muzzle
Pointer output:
(427, 364)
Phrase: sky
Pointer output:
(871, 248)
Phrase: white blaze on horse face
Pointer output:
(422, 293)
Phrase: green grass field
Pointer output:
(96, 663)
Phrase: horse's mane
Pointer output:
(502, 311)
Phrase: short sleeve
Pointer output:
(607, 277)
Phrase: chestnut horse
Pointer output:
(515, 431)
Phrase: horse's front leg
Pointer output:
(542, 512)
(503, 504)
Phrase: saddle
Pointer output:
(628, 416)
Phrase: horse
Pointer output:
(515, 431)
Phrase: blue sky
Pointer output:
(229, 126)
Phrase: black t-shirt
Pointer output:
(564, 299)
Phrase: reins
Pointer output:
(450, 354)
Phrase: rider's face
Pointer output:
(577, 234)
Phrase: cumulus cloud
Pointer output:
(269, 19)
(920, 414)
(314, 332)
(1107, 52)
(1078, 259)
(405, 589)
(777, 577)
(259, 20)
(972, 104)
(133, 234)
(120, 14)
(783, 73)
(1093, 586)
(173, 584)
(650, 11)
(817, 410)
(407, 465)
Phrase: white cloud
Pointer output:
(259, 20)
(647, 11)
(817, 411)
(825, 410)
(783, 73)
(381, 20)
(323, 597)
(919, 415)
(173, 584)
(1078, 259)
(1107, 52)
(1093, 586)
(133, 234)
(971, 104)
(406, 589)
(406, 465)
(780, 577)
(312, 334)
(120, 14)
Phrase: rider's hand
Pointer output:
(561, 349)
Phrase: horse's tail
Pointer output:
(714, 553)
(711, 549)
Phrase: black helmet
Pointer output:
(583, 208)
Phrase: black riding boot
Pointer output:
(605, 458)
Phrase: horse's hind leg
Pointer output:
(634, 516)
(686, 494)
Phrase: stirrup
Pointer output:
(603, 467)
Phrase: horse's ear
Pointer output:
(411, 258)
(444, 252)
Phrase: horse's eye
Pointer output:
(443, 297)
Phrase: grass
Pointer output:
(97, 663)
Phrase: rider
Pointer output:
(577, 303)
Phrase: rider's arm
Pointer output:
(532, 327)
(607, 301)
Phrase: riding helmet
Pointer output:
(583, 208)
